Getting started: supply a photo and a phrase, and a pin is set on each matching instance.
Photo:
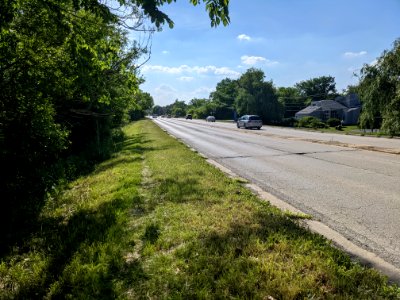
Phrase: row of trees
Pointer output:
(68, 80)
(251, 94)
(378, 90)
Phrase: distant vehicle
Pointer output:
(210, 119)
(249, 121)
(188, 117)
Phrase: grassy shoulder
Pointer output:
(352, 130)
(157, 221)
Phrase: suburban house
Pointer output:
(346, 108)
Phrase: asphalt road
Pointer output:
(354, 191)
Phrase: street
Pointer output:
(354, 191)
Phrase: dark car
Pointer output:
(188, 117)
(249, 121)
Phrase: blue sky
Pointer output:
(290, 40)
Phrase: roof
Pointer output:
(328, 104)
(351, 100)
(353, 109)
(309, 110)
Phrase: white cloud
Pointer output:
(165, 89)
(253, 60)
(163, 69)
(243, 37)
(354, 54)
(166, 94)
(224, 71)
(165, 52)
(186, 78)
(185, 69)
(201, 92)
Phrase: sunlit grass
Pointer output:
(353, 130)
(156, 221)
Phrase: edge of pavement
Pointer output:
(365, 257)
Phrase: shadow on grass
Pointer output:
(112, 163)
(64, 240)
(177, 190)
(136, 146)
(19, 211)
(180, 190)
(81, 238)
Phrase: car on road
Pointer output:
(249, 121)
(210, 119)
(188, 117)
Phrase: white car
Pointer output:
(249, 121)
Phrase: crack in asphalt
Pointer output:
(235, 156)
(282, 154)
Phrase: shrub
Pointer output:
(333, 122)
(311, 122)
(290, 122)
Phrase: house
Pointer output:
(346, 108)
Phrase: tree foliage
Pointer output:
(224, 98)
(249, 94)
(218, 10)
(68, 80)
(256, 96)
(143, 104)
(200, 108)
(318, 88)
(291, 101)
(178, 108)
(379, 90)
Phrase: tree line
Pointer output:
(252, 94)
(378, 89)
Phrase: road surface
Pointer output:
(354, 191)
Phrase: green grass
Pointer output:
(351, 130)
(156, 221)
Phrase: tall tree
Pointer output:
(201, 108)
(178, 108)
(256, 96)
(224, 97)
(290, 99)
(318, 88)
(379, 90)
(158, 110)
(143, 104)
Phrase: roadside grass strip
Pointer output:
(157, 221)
